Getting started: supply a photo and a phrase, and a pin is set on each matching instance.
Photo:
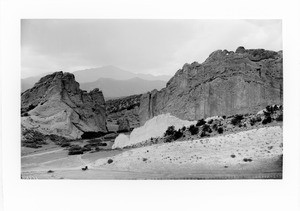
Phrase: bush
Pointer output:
(75, 150)
(237, 119)
(279, 118)
(203, 134)
(200, 122)
(267, 120)
(177, 134)
(170, 131)
(65, 144)
(215, 127)
(220, 130)
(224, 117)
(183, 128)
(193, 130)
(110, 161)
(206, 128)
(210, 121)
(102, 144)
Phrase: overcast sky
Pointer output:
(142, 46)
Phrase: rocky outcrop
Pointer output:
(56, 105)
(153, 128)
(124, 125)
(227, 83)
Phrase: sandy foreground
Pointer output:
(252, 154)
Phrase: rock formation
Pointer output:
(124, 125)
(226, 83)
(153, 128)
(56, 105)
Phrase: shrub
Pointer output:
(50, 171)
(210, 121)
(177, 134)
(237, 119)
(193, 130)
(270, 109)
(65, 144)
(206, 128)
(215, 127)
(233, 156)
(203, 134)
(200, 122)
(220, 130)
(183, 128)
(224, 117)
(109, 161)
(279, 118)
(102, 144)
(267, 120)
(170, 131)
(75, 150)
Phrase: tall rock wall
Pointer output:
(226, 83)
(56, 105)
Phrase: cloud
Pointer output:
(146, 46)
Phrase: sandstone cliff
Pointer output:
(226, 83)
(56, 105)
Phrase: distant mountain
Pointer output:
(112, 88)
(28, 83)
(89, 75)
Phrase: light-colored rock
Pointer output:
(227, 83)
(56, 105)
(153, 128)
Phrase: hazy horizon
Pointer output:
(157, 47)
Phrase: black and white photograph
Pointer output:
(149, 105)
(151, 99)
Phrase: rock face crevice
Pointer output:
(226, 83)
(56, 105)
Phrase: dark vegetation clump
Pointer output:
(110, 161)
(34, 139)
(279, 118)
(193, 130)
(177, 134)
(210, 121)
(236, 120)
(255, 119)
(215, 127)
(267, 120)
(203, 134)
(224, 117)
(183, 128)
(233, 156)
(247, 160)
(170, 131)
(76, 150)
(65, 144)
(206, 128)
(89, 135)
(171, 134)
(220, 130)
(200, 122)
(50, 171)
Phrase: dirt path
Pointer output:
(42, 153)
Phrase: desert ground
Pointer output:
(251, 154)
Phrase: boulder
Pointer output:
(56, 105)
(227, 83)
